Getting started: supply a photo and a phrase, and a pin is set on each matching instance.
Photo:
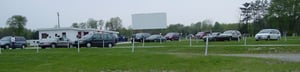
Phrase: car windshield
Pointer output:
(5, 38)
(214, 34)
(154, 36)
(265, 31)
(87, 36)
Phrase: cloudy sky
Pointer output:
(42, 13)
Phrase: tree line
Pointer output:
(279, 14)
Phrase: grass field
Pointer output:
(170, 57)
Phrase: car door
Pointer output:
(97, 40)
(62, 42)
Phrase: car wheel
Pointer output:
(70, 46)
(88, 45)
(110, 45)
(23, 47)
(6, 47)
(53, 45)
(268, 38)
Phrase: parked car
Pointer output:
(212, 36)
(268, 34)
(140, 36)
(5, 42)
(172, 36)
(97, 40)
(122, 38)
(190, 36)
(55, 42)
(155, 38)
(230, 35)
(200, 35)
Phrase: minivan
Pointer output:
(96, 40)
(139, 37)
(172, 36)
(268, 34)
(5, 42)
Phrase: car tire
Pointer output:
(53, 45)
(6, 47)
(278, 38)
(88, 45)
(70, 46)
(110, 45)
(230, 38)
(268, 38)
(23, 47)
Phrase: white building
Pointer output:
(70, 33)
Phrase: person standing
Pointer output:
(13, 41)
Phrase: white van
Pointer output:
(268, 34)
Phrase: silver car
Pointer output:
(268, 34)
(55, 42)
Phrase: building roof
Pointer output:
(76, 29)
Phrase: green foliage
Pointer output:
(75, 25)
(286, 13)
(113, 24)
(91, 23)
(17, 24)
(217, 27)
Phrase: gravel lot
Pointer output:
(284, 57)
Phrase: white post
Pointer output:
(238, 39)
(160, 38)
(143, 42)
(0, 50)
(37, 47)
(132, 48)
(190, 41)
(78, 47)
(285, 36)
(245, 39)
(206, 46)
(102, 43)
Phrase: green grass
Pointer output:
(173, 57)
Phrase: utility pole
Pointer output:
(58, 26)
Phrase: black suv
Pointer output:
(6, 43)
(97, 40)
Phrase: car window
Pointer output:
(5, 38)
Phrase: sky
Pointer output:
(43, 13)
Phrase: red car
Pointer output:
(200, 35)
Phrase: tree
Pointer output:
(114, 24)
(286, 13)
(101, 24)
(83, 25)
(91, 23)
(75, 25)
(217, 27)
(17, 23)
(206, 25)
